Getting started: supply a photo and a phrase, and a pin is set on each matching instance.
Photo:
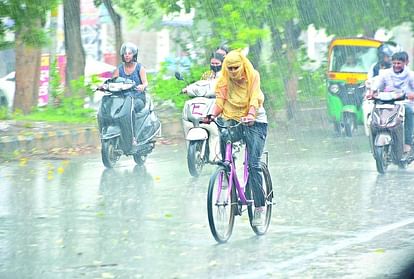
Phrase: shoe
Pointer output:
(258, 217)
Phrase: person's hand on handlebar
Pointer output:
(208, 119)
(410, 96)
(369, 94)
(141, 88)
(249, 119)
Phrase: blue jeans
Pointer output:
(408, 125)
(255, 137)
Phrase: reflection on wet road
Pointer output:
(334, 217)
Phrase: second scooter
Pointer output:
(202, 139)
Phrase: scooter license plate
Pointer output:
(385, 106)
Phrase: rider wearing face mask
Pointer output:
(205, 86)
(216, 61)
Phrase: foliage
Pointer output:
(272, 86)
(167, 87)
(146, 13)
(350, 18)
(56, 88)
(312, 85)
(65, 109)
(25, 15)
(70, 110)
(4, 113)
(312, 82)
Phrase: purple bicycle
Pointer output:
(228, 197)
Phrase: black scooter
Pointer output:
(386, 127)
(124, 131)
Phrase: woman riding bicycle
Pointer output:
(239, 98)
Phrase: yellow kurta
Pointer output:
(235, 99)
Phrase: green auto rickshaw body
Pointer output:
(349, 60)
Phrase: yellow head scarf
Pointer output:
(236, 67)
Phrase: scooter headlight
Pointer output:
(334, 88)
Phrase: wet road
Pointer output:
(335, 216)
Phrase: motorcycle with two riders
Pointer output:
(385, 125)
(124, 131)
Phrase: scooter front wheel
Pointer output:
(195, 160)
(380, 154)
(108, 152)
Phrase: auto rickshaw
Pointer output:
(349, 60)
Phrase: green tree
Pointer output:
(247, 23)
(29, 18)
(351, 18)
(116, 20)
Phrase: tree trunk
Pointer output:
(116, 19)
(75, 54)
(27, 73)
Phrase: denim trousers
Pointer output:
(254, 137)
(408, 124)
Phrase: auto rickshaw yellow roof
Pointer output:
(355, 41)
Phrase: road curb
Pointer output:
(22, 140)
(41, 137)
(32, 142)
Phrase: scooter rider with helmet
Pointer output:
(133, 70)
(384, 54)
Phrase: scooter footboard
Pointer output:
(111, 132)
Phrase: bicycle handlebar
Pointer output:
(224, 126)
(227, 127)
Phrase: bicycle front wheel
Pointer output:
(221, 204)
(268, 192)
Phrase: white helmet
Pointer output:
(131, 47)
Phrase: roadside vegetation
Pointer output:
(273, 36)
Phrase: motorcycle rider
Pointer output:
(205, 88)
(238, 96)
(398, 78)
(384, 54)
(133, 70)
(216, 61)
(223, 50)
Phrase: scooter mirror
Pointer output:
(178, 76)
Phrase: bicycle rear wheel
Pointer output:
(221, 205)
(268, 191)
